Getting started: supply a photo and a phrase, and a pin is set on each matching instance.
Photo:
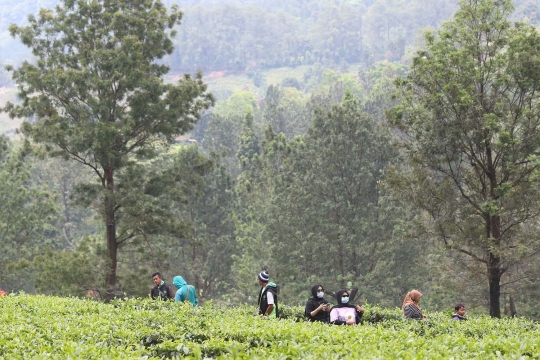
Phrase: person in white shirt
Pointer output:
(268, 300)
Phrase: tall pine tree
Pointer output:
(96, 93)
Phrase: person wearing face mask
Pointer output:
(317, 307)
(345, 313)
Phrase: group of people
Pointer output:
(317, 307)
(345, 313)
(163, 291)
(411, 309)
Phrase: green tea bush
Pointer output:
(70, 328)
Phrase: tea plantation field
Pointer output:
(61, 328)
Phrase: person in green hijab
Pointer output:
(185, 292)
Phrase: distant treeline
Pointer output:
(238, 35)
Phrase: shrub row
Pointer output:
(62, 328)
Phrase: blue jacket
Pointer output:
(182, 287)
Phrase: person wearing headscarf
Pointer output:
(317, 307)
(345, 313)
(185, 292)
(410, 307)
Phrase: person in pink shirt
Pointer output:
(345, 313)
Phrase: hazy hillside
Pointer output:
(315, 162)
(237, 42)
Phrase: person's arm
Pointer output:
(310, 306)
(171, 292)
(177, 296)
(359, 314)
(195, 297)
(270, 300)
(269, 309)
(314, 309)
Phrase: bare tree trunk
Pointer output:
(494, 276)
(110, 223)
(494, 233)
(494, 270)
(341, 261)
(513, 311)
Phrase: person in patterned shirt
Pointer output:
(460, 312)
(410, 307)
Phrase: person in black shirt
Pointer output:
(161, 290)
(317, 307)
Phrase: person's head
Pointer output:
(342, 296)
(415, 296)
(156, 278)
(412, 296)
(179, 282)
(460, 309)
(317, 291)
(263, 278)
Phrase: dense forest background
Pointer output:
(286, 172)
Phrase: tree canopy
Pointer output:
(470, 133)
(97, 92)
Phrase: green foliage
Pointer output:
(72, 272)
(263, 204)
(319, 197)
(469, 132)
(224, 131)
(202, 254)
(27, 214)
(333, 87)
(285, 110)
(39, 326)
(263, 35)
(62, 178)
(98, 95)
(249, 144)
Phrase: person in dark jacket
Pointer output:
(268, 300)
(161, 290)
(317, 307)
(410, 307)
(460, 312)
(345, 313)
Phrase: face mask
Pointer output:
(344, 300)
(320, 294)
